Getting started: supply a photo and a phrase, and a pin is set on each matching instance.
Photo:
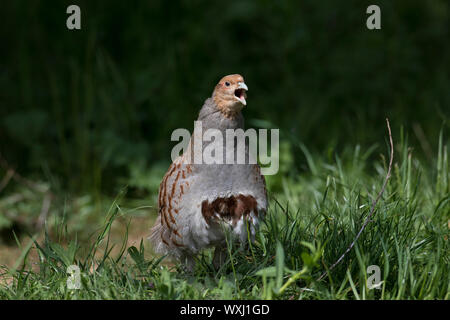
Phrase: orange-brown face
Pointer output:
(230, 93)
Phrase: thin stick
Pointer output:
(18, 178)
(372, 209)
(13, 174)
(5, 180)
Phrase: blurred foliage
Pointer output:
(93, 109)
(85, 113)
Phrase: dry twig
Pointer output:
(18, 178)
(372, 209)
(11, 173)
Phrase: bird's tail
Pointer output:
(156, 238)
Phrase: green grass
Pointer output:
(314, 215)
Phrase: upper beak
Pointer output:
(242, 85)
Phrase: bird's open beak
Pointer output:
(239, 93)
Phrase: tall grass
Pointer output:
(309, 225)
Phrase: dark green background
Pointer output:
(84, 108)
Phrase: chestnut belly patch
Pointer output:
(231, 208)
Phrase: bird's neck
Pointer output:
(212, 117)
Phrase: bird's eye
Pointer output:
(227, 84)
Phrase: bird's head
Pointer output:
(229, 94)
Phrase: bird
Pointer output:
(199, 204)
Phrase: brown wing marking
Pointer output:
(231, 208)
(168, 204)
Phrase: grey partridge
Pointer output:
(199, 203)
